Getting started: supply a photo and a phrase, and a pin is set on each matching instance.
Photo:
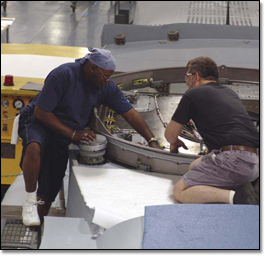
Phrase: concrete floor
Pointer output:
(54, 22)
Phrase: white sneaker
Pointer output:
(30, 212)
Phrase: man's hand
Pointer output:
(50, 120)
(138, 123)
(87, 135)
(154, 144)
(174, 148)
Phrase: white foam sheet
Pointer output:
(118, 195)
(29, 65)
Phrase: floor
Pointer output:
(241, 13)
(54, 22)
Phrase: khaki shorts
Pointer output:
(226, 170)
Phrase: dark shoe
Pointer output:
(255, 185)
(245, 194)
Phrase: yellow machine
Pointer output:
(13, 99)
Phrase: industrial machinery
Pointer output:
(12, 100)
(93, 152)
(152, 98)
(118, 187)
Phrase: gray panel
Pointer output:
(152, 54)
(66, 233)
(126, 235)
(138, 33)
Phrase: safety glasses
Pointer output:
(187, 75)
(105, 77)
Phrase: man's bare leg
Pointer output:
(199, 194)
(43, 209)
(31, 166)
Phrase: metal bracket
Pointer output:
(143, 167)
(100, 233)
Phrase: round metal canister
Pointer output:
(92, 152)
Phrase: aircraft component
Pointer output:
(128, 147)
(92, 152)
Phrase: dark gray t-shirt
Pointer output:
(219, 116)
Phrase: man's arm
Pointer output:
(51, 121)
(172, 133)
(138, 123)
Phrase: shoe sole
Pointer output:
(31, 223)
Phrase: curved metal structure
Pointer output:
(155, 94)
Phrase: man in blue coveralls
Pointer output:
(58, 116)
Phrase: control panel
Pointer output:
(10, 108)
(13, 98)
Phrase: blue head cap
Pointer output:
(101, 58)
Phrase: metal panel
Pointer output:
(176, 75)
(138, 33)
(15, 235)
(66, 233)
(142, 86)
(147, 160)
(126, 235)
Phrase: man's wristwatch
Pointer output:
(154, 139)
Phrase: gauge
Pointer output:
(5, 103)
(18, 104)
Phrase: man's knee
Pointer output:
(179, 187)
(33, 151)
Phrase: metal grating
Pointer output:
(214, 12)
(15, 235)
